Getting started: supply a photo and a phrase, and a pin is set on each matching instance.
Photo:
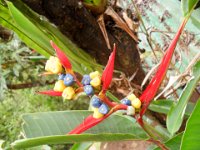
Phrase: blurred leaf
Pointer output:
(7, 21)
(29, 28)
(81, 146)
(175, 115)
(187, 7)
(37, 32)
(112, 97)
(174, 143)
(2, 144)
(163, 106)
(191, 135)
(52, 127)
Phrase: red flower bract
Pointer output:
(90, 121)
(149, 93)
(50, 93)
(62, 57)
(108, 71)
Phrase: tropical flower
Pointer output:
(93, 82)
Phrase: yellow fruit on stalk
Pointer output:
(136, 103)
(131, 97)
(96, 113)
(68, 93)
(94, 74)
(53, 65)
(59, 86)
(96, 82)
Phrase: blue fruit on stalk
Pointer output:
(61, 76)
(88, 89)
(126, 101)
(86, 80)
(103, 109)
(96, 102)
(68, 79)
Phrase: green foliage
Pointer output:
(13, 107)
(187, 7)
(16, 67)
(81, 146)
(176, 113)
(52, 127)
(191, 134)
(38, 32)
(163, 106)
(174, 143)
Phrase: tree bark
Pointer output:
(78, 24)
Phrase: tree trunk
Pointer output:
(78, 24)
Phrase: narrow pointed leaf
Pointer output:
(61, 55)
(173, 143)
(175, 116)
(108, 71)
(50, 93)
(191, 136)
(163, 106)
(149, 93)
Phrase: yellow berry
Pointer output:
(68, 93)
(53, 65)
(96, 82)
(94, 74)
(96, 113)
(136, 103)
(131, 97)
(59, 86)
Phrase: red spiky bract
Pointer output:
(108, 71)
(90, 121)
(50, 93)
(149, 93)
(62, 57)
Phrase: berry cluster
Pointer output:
(91, 82)
(132, 102)
(100, 109)
(66, 81)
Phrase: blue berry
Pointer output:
(61, 76)
(126, 101)
(88, 89)
(103, 109)
(96, 102)
(68, 80)
(86, 80)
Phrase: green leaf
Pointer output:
(174, 143)
(6, 20)
(163, 106)
(36, 32)
(81, 146)
(29, 28)
(52, 127)
(112, 97)
(191, 135)
(187, 7)
(175, 115)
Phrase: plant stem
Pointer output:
(158, 143)
(153, 137)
